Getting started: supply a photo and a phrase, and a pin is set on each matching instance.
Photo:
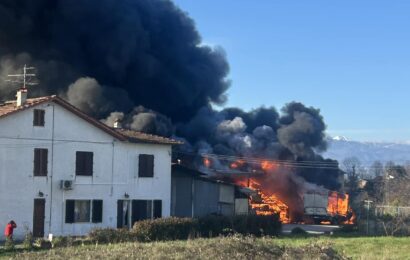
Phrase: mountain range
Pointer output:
(340, 148)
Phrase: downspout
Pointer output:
(112, 170)
(51, 172)
(193, 197)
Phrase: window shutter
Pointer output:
(146, 165)
(40, 162)
(38, 117)
(79, 162)
(150, 165)
(84, 163)
(157, 208)
(89, 164)
(97, 211)
(43, 162)
(41, 120)
(69, 211)
(120, 214)
(36, 162)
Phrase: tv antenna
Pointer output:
(26, 76)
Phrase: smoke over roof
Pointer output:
(143, 62)
(145, 49)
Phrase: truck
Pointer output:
(326, 206)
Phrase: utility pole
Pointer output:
(368, 210)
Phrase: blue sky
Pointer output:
(349, 58)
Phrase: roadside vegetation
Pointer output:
(232, 247)
(211, 238)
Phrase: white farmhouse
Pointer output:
(64, 173)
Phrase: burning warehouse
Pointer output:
(275, 188)
(156, 76)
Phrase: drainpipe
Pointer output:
(51, 171)
(112, 170)
(193, 197)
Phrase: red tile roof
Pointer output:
(9, 107)
(138, 137)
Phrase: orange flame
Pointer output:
(237, 164)
(264, 204)
(268, 166)
(207, 162)
(338, 204)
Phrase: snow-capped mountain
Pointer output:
(340, 148)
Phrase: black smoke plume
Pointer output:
(148, 50)
(142, 61)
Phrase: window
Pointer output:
(146, 165)
(146, 209)
(83, 211)
(38, 117)
(84, 163)
(40, 161)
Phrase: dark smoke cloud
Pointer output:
(302, 129)
(148, 49)
(296, 134)
(144, 59)
(143, 120)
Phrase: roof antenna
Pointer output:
(22, 92)
(26, 77)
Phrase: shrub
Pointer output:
(257, 225)
(62, 241)
(110, 235)
(9, 244)
(164, 229)
(42, 243)
(210, 226)
(28, 240)
(298, 231)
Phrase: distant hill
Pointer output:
(340, 148)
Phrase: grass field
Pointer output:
(236, 248)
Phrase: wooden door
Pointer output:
(38, 217)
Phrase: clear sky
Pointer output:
(349, 58)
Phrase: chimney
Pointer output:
(117, 124)
(21, 97)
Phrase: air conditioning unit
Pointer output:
(66, 185)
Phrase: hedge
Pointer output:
(210, 226)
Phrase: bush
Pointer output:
(110, 235)
(210, 226)
(9, 244)
(62, 241)
(164, 229)
(42, 243)
(28, 240)
(257, 225)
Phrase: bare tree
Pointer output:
(377, 169)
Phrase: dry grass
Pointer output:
(236, 247)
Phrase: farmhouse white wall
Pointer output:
(115, 170)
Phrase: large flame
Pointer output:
(266, 202)
(263, 202)
(338, 204)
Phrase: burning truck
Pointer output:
(274, 188)
(324, 206)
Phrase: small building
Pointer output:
(195, 195)
(65, 173)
